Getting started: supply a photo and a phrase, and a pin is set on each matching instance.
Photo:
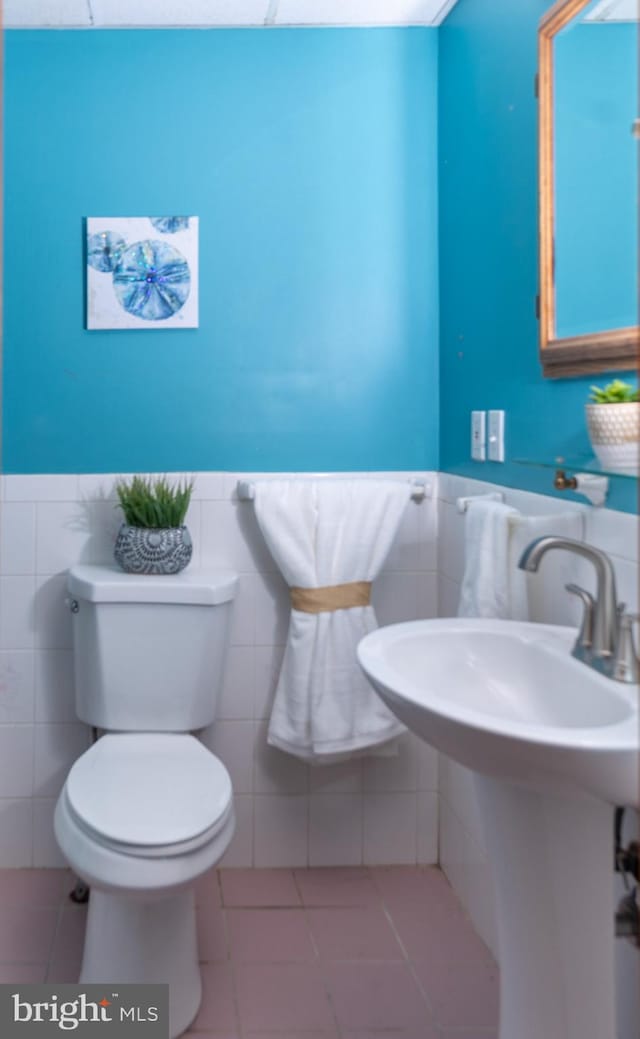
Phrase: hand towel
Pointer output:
(489, 586)
(325, 533)
(494, 586)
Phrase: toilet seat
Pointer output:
(150, 795)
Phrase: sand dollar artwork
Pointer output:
(152, 280)
(142, 272)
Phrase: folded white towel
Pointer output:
(489, 586)
(493, 585)
(329, 532)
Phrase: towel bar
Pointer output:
(246, 489)
(462, 504)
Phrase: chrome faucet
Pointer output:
(605, 640)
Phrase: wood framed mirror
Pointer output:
(588, 186)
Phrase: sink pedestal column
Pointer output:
(552, 857)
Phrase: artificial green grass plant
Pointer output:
(154, 502)
(616, 392)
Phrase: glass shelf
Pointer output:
(575, 464)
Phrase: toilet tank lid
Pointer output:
(109, 584)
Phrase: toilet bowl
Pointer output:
(148, 808)
(140, 818)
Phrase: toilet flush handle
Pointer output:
(73, 605)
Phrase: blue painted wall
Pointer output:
(310, 158)
(596, 174)
(489, 252)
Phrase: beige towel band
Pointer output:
(331, 597)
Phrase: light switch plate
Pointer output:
(479, 436)
(496, 436)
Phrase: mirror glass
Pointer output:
(596, 170)
(588, 169)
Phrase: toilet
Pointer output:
(148, 808)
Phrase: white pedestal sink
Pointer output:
(554, 745)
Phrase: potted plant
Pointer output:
(613, 421)
(153, 538)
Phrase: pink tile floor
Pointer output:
(380, 953)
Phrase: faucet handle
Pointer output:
(585, 635)
(626, 666)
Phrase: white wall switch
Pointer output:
(479, 435)
(496, 436)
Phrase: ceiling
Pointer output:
(613, 11)
(116, 14)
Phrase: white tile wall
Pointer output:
(367, 810)
(462, 852)
(286, 813)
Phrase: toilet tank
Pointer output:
(149, 651)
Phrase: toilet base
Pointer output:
(130, 940)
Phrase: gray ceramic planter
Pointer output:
(141, 550)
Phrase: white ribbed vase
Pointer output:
(614, 430)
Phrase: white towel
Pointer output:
(494, 586)
(490, 588)
(329, 532)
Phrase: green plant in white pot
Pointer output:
(613, 421)
(153, 539)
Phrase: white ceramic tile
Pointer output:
(231, 537)
(458, 790)
(428, 808)
(344, 777)
(52, 615)
(236, 696)
(268, 660)
(16, 849)
(277, 772)
(46, 853)
(450, 542)
(233, 742)
(393, 773)
(207, 486)
(63, 535)
(390, 829)
(335, 830)
(17, 614)
(469, 873)
(55, 697)
(16, 760)
(272, 609)
(627, 582)
(280, 829)
(17, 686)
(56, 749)
(98, 487)
(243, 617)
(105, 520)
(428, 766)
(395, 597)
(240, 851)
(448, 596)
(41, 488)
(427, 595)
(17, 538)
(428, 534)
(614, 532)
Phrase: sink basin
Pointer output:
(508, 700)
(553, 745)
